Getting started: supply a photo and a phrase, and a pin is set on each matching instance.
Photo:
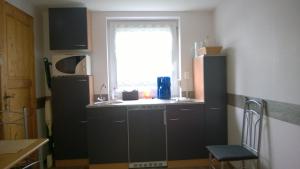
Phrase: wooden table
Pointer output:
(8, 160)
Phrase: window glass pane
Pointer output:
(139, 51)
(142, 55)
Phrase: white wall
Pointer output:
(280, 141)
(262, 39)
(195, 26)
(39, 54)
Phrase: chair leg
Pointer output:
(243, 164)
(210, 161)
(222, 164)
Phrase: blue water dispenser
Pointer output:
(164, 87)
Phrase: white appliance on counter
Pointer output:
(71, 64)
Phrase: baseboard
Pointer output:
(188, 163)
(171, 164)
(71, 163)
(109, 166)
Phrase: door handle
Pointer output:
(6, 96)
(83, 121)
(165, 117)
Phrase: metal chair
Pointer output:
(28, 162)
(251, 136)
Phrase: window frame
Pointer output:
(176, 91)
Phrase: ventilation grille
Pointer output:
(148, 164)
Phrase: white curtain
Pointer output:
(141, 51)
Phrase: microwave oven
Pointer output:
(63, 64)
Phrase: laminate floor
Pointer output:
(141, 168)
(203, 167)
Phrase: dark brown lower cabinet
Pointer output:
(186, 131)
(128, 134)
(107, 135)
(216, 125)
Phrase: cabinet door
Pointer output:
(215, 99)
(216, 125)
(68, 28)
(147, 139)
(185, 132)
(70, 95)
(107, 135)
(215, 80)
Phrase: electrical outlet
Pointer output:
(186, 75)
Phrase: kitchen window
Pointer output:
(139, 51)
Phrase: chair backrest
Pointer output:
(252, 124)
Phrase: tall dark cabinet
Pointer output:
(210, 86)
(70, 95)
(68, 28)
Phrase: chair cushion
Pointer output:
(230, 152)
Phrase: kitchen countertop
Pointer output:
(144, 102)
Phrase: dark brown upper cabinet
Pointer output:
(68, 29)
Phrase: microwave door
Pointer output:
(68, 65)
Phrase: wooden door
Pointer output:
(1, 55)
(17, 73)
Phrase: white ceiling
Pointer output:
(133, 5)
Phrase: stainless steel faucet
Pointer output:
(100, 97)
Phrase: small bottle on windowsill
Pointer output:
(147, 94)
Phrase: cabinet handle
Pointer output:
(183, 109)
(165, 117)
(119, 121)
(78, 45)
(83, 121)
(175, 119)
(214, 108)
(82, 80)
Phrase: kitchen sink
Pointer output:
(183, 100)
(109, 102)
